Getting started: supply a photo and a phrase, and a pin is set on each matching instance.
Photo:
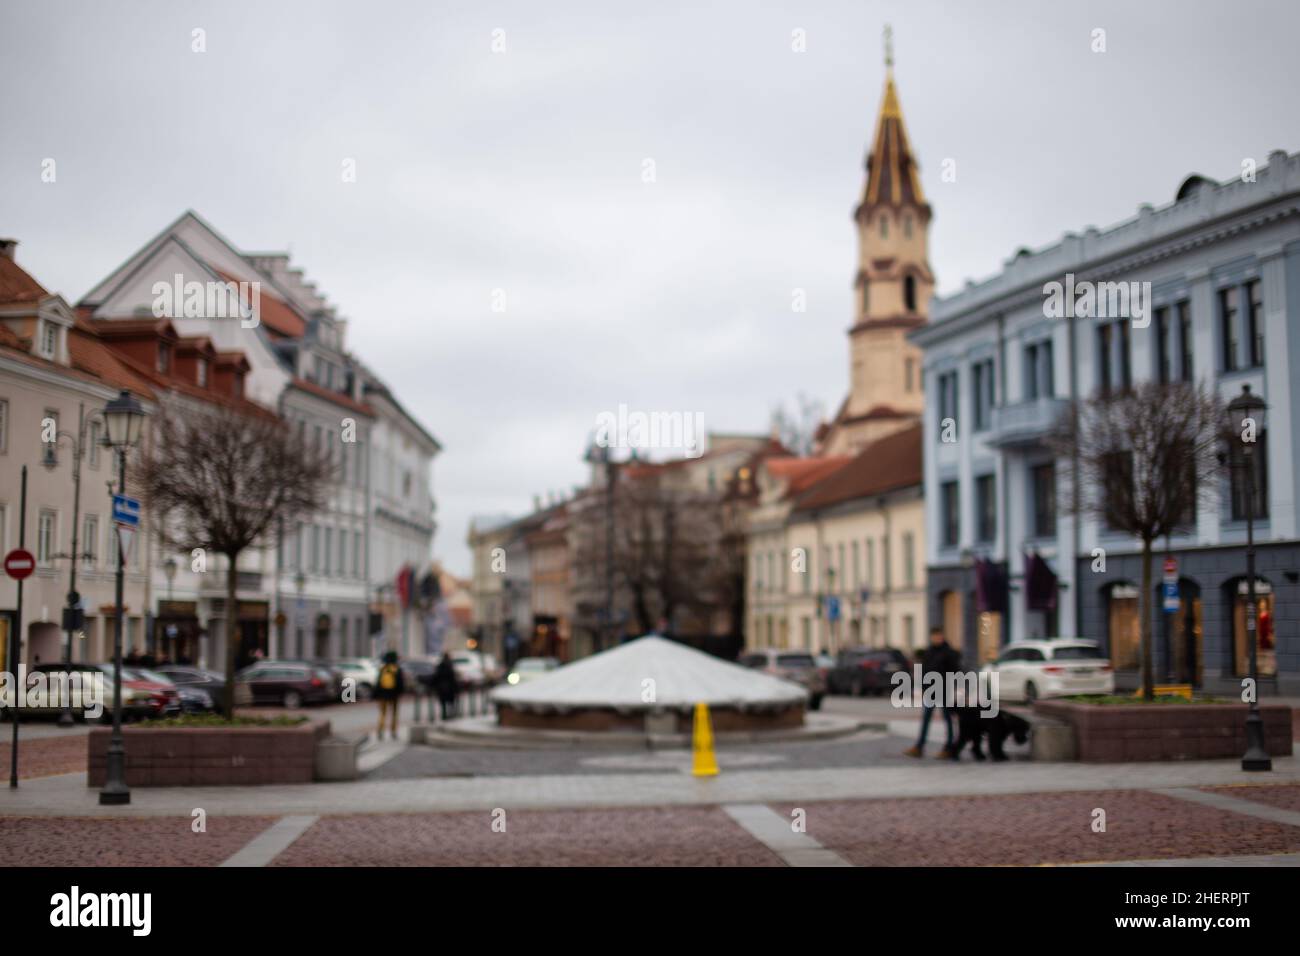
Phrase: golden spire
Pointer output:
(891, 174)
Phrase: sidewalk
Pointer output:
(67, 794)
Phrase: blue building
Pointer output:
(1217, 300)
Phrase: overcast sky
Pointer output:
(522, 171)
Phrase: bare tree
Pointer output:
(225, 481)
(797, 429)
(670, 553)
(1145, 457)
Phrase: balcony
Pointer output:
(1025, 423)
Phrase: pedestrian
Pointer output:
(388, 689)
(446, 684)
(939, 658)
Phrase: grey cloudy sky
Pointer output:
(522, 171)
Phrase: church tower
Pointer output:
(891, 289)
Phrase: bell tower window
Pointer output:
(909, 293)
(884, 227)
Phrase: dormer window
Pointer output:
(165, 358)
(239, 385)
(203, 373)
(49, 340)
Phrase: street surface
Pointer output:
(852, 801)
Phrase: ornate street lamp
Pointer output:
(123, 421)
(1246, 422)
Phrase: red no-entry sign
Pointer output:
(19, 564)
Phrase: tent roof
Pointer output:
(682, 677)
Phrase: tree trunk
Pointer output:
(1146, 610)
(232, 634)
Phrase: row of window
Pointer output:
(1041, 515)
(836, 563)
(49, 548)
(348, 456)
(1241, 346)
(317, 549)
(1245, 497)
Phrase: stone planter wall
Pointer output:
(210, 756)
(604, 719)
(1116, 733)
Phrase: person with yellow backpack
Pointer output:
(388, 688)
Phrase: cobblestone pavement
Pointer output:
(1284, 798)
(44, 756)
(651, 836)
(1023, 829)
(126, 841)
(1007, 829)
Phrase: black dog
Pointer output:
(973, 725)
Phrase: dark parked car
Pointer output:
(198, 678)
(418, 675)
(291, 683)
(194, 700)
(865, 670)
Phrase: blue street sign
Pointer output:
(126, 510)
(832, 608)
(1171, 596)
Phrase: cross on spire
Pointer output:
(889, 47)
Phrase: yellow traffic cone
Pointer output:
(705, 763)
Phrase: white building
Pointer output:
(316, 596)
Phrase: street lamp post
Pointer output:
(599, 454)
(123, 421)
(70, 614)
(170, 567)
(1247, 418)
(299, 613)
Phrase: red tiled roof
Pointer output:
(802, 473)
(887, 464)
(16, 286)
(114, 328)
(338, 398)
(276, 314)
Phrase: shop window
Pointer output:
(1266, 655)
(988, 626)
(1124, 623)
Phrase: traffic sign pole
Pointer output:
(15, 639)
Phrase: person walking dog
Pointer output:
(939, 658)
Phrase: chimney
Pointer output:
(7, 247)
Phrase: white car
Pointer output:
(531, 668)
(1029, 670)
(364, 671)
(474, 667)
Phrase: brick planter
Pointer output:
(1115, 733)
(210, 756)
